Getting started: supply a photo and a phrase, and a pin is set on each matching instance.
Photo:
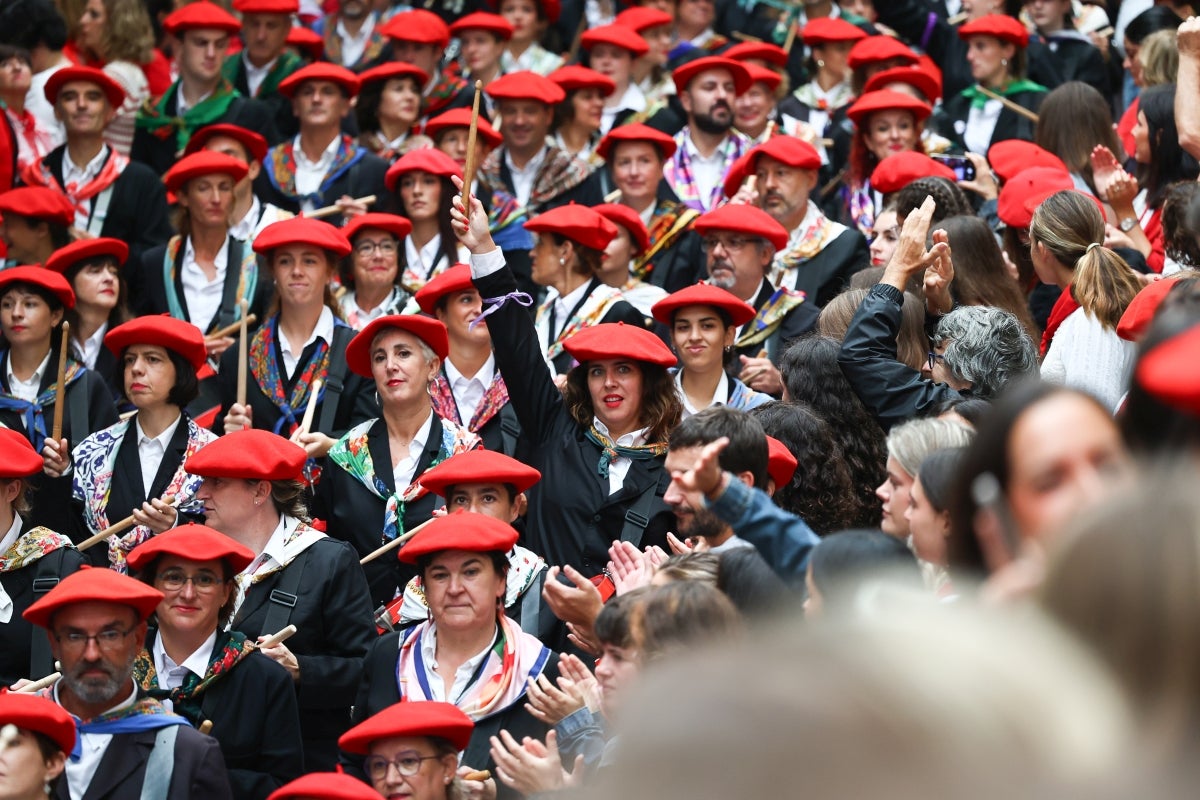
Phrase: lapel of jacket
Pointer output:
(125, 754)
(381, 454)
(126, 493)
(171, 458)
(638, 477)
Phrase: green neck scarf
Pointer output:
(979, 99)
(287, 63)
(159, 121)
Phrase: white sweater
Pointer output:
(1086, 356)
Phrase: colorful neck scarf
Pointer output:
(287, 63)
(247, 279)
(394, 304)
(280, 164)
(769, 317)
(523, 567)
(979, 99)
(186, 699)
(593, 309)
(862, 208)
(446, 87)
(30, 546)
(39, 174)
(265, 368)
(610, 450)
(670, 221)
(811, 95)
(158, 120)
(444, 405)
(333, 46)
(146, 714)
(812, 241)
(33, 413)
(560, 173)
(678, 170)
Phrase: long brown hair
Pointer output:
(661, 409)
(980, 275)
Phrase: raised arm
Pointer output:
(1187, 86)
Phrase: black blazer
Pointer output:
(800, 320)
(160, 154)
(362, 179)
(620, 311)
(1010, 125)
(279, 107)
(16, 635)
(827, 274)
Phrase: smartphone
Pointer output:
(962, 167)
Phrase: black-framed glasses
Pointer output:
(108, 641)
(377, 766)
(366, 247)
(934, 358)
(732, 244)
(175, 579)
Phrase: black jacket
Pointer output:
(800, 320)
(16, 635)
(160, 154)
(951, 119)
(620, 311)
(827, 274)
(361, 179)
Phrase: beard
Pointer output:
(725, 279)
(708, 122)
(95, 690)
(703, 523)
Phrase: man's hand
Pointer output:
(761, 375)
(580, 603)
(910, 256)
(705, 476)
(155, 515)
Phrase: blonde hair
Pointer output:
(128, 34)
(1159, 57)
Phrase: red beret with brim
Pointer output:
(642, 18)
(616, 35)
(321, 71)
(394, 224)
(162, 330)
(204, 162)
(918, 78)
(307, 40)
(69, 255)
(430, 331)
(483, 21)
(478, 466)
(325, 786)
(874, 49)
(202, 15)
(1140, 311)
(301, 231)
(396, 69)
(886, 100)
(1010, 206)
(750, 220)
(42, 715)
(900, 169)
(769, 78)
(254, 143)
(759, 51)
(788, 150)
(580, 224)
(466, 530)
(702, 294)
(618, 341)
(573, 77)
(636, 132)
(18, 459)
(195, 543)
(526, 85)
(429, 718)
(684, 74)
(266, 6)
(427, 159)
(250, 454)
(1168, 372)
(1015, 155)
(781, 463)
(94, 585)
(38, 202)
(418, 25)
(113, 91)
(455, 279)
(44, 278)
(630, 220)
(826, 30)
(1001, 26)
(461, 118)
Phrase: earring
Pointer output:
(562, 262)
(820, 63)
(47, 789)
(1004, 62)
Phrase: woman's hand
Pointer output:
(350, 208)
(628, 567)
(573, 669)
(1104, 166)
(216, 347)
(56, 457)
(240, 417)
(938, 277)
(531, 767)
(910, 256)
(984, 184)
(1115, 237)
(580, 603)
(475, 234)
(1187, 38)
(282, 656)
(155, 515)
(476, 790)
(549, 703)
(1119, 189)
(316, 444)
(655, 556)
(761, 375)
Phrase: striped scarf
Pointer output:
(679, 175)
(769, 317)
(670, 221)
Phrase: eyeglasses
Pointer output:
(174, 580)
(367, 247)
(77, 641)
(377, 766)
(934, 358)
(731, 244)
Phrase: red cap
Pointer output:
(199, 164)
(455, 279)
(307, 40)
(394, 224)
(112, 90)
(266, 6)
(628, 219)
(18, 459)
(69, 255)
(33, 712)
(759, 51)
(418, 25)
(461, 118)
(1029, 183)
(825, 30)
(483, 21)
(526, 85)
(473, 466)
(38, 202)
(325, 786)
(95, 585)
(781, 463)
(1014, 155)
(618, 36)
(47, 279)
(928, 83)
(763, 75)
(1168, 372)
(467, 530)
(162, 330)
(642, 18)
(301, 230)
(1138, 314)
(195, 543)
(202, 15)
(1002, 26)
(874, 49)
(792, 152)
(683, 75)
(900, 169)
(739, 170)
(430, 331)
(254, 143)
(395, 69)
(250, 454)
(886, 100)
(636, 132)
(574, 76)
(749, 220)
(426, 159)
(429, 718)
(320, 71)
(578, 223)
(702, 294)
(616, 340)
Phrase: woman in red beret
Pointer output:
(808, 111)
(412, 750)
(420, 181)
(388, 107)
(580, 116)
(616, 265)
(370, 275)
(530, 19)
(450, 132)
(209, 673)
(36, 736)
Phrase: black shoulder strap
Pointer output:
(284, 596)
(510, 430)
(45, 577)
(335, 377)
(229, 299)
(638, 515)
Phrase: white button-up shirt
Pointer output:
(462, 676)
(256, 75)
(172, 675)
(203, 296)
(291, 353)
(310, 174)
(618, 468)
(354, 45)
(468, 392)
(92, 747)
(720, 396)
(90, 348)
(707, 172)
(406, 467)
(151, 451)
(27, 390)
(523, 176)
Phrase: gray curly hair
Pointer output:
(987, 347)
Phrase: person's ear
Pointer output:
(746, 477)
(519, 507)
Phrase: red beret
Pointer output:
(683, 75)
(428, 718)
(195, 543)
(254, 143)
(642, 18)
(900, 169)
(1002, 26)
(574, 76)
(394, 224)
(788, 150)
(739, 170)
(94, 585)
(1139, 313)
(921, 79)
(307, 40)
(749, 220)
(461, 118)
(825, 30)
(204, 162)
(418, 25)
(18, 459)
(33, 712)
(112, 90)
(250, 454)
(781, 463)
(1014, 155)
(636, 132)
(266, 6)
(628, 219)
(162, 330)
(320, 71)
(886, 100)
(466, 530)
(475, 466)
(202, 15)
(616, 340)
(38, 202)
(1168, 372)
(455, 279)
(426, 159)
(483, 21)
(702, 294)
(763, 75)
(618, 36)
(759, 51)
(1026, 184)
(301, 230)
(430, 331)
(69, 255)
(526, 85)
(325, 786)
(874, 49)
(580, 224)
(47, 279)
(395, 69)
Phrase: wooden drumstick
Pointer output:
(277, 638)
(394, 543)
(232, 328)
(206, 727)
(477, 775)
(60, 389)
(243, 355)
(38, 685)
(311, 409)
(329, 211)
(469, 171)
(120, 526)
(1009, 104)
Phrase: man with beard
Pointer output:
(708, 145)
(130, 745)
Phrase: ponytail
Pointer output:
(1104, 285)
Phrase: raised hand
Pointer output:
(938, 277)
(628, 567)
(579, 603)
(474, 233)
(1104, 167)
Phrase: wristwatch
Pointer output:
(1127, 224)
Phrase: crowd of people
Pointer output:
(495, 398)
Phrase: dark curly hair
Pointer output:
(661, 409)
(1181, 223)
(951, 200)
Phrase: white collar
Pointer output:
(648, 214)
(695, 155)
(274, 547)
(163, 438)
(720, 396)
(36, 378)
(533, 165)
(182, 105)
(810, 216)
(569, 301)
(485, 374)
(89, 170)
(14, 531)
(253, 70)
(429, 650)
(244, 228)
(322, 330)
(631, 439)
(220, 261)
(364, 32)
(322, 163)
(196, 663)
(418, 442)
